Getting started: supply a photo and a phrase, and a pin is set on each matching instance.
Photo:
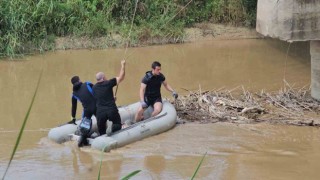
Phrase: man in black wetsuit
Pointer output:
(150, 94)
(82, 92)
(105, 101)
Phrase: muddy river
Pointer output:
(258, 151)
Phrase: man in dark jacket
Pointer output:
(105, 100)
(83, 92)
(150, 91)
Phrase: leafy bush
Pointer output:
(30, 25)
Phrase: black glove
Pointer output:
(73, 121)
(175, 95)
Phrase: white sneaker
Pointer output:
(109, 127)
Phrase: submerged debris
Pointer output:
(287, 106)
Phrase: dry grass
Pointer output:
(287, 106)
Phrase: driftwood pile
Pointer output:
(287, 106)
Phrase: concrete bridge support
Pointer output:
(294, 20)
(315, 69)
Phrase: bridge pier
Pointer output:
(294, 20)
(315, 69)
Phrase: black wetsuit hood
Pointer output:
(77, 86)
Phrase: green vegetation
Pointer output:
(131, 175)
(198, 167)
(28, 26)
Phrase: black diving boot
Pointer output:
(81, 141)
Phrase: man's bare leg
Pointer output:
(157, 107)
(139, 114)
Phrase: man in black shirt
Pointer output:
(150, 94)
(82, 92)
(105, 101)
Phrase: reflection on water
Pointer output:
(234, 152)
(156, 164)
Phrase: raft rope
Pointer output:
(133, 16)
(285, 65)
(127, 43)
(176, 14)
(134, 13)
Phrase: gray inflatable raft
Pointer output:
(137, 131)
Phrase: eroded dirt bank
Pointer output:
(200, 32)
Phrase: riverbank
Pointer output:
(290, 105)
(199, 32)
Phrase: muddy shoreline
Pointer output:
(200, 32)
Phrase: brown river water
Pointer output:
(259, 151)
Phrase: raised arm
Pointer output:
(122, 72)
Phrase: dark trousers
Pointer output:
(88, 112)
(102, 117)
(152, 100)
